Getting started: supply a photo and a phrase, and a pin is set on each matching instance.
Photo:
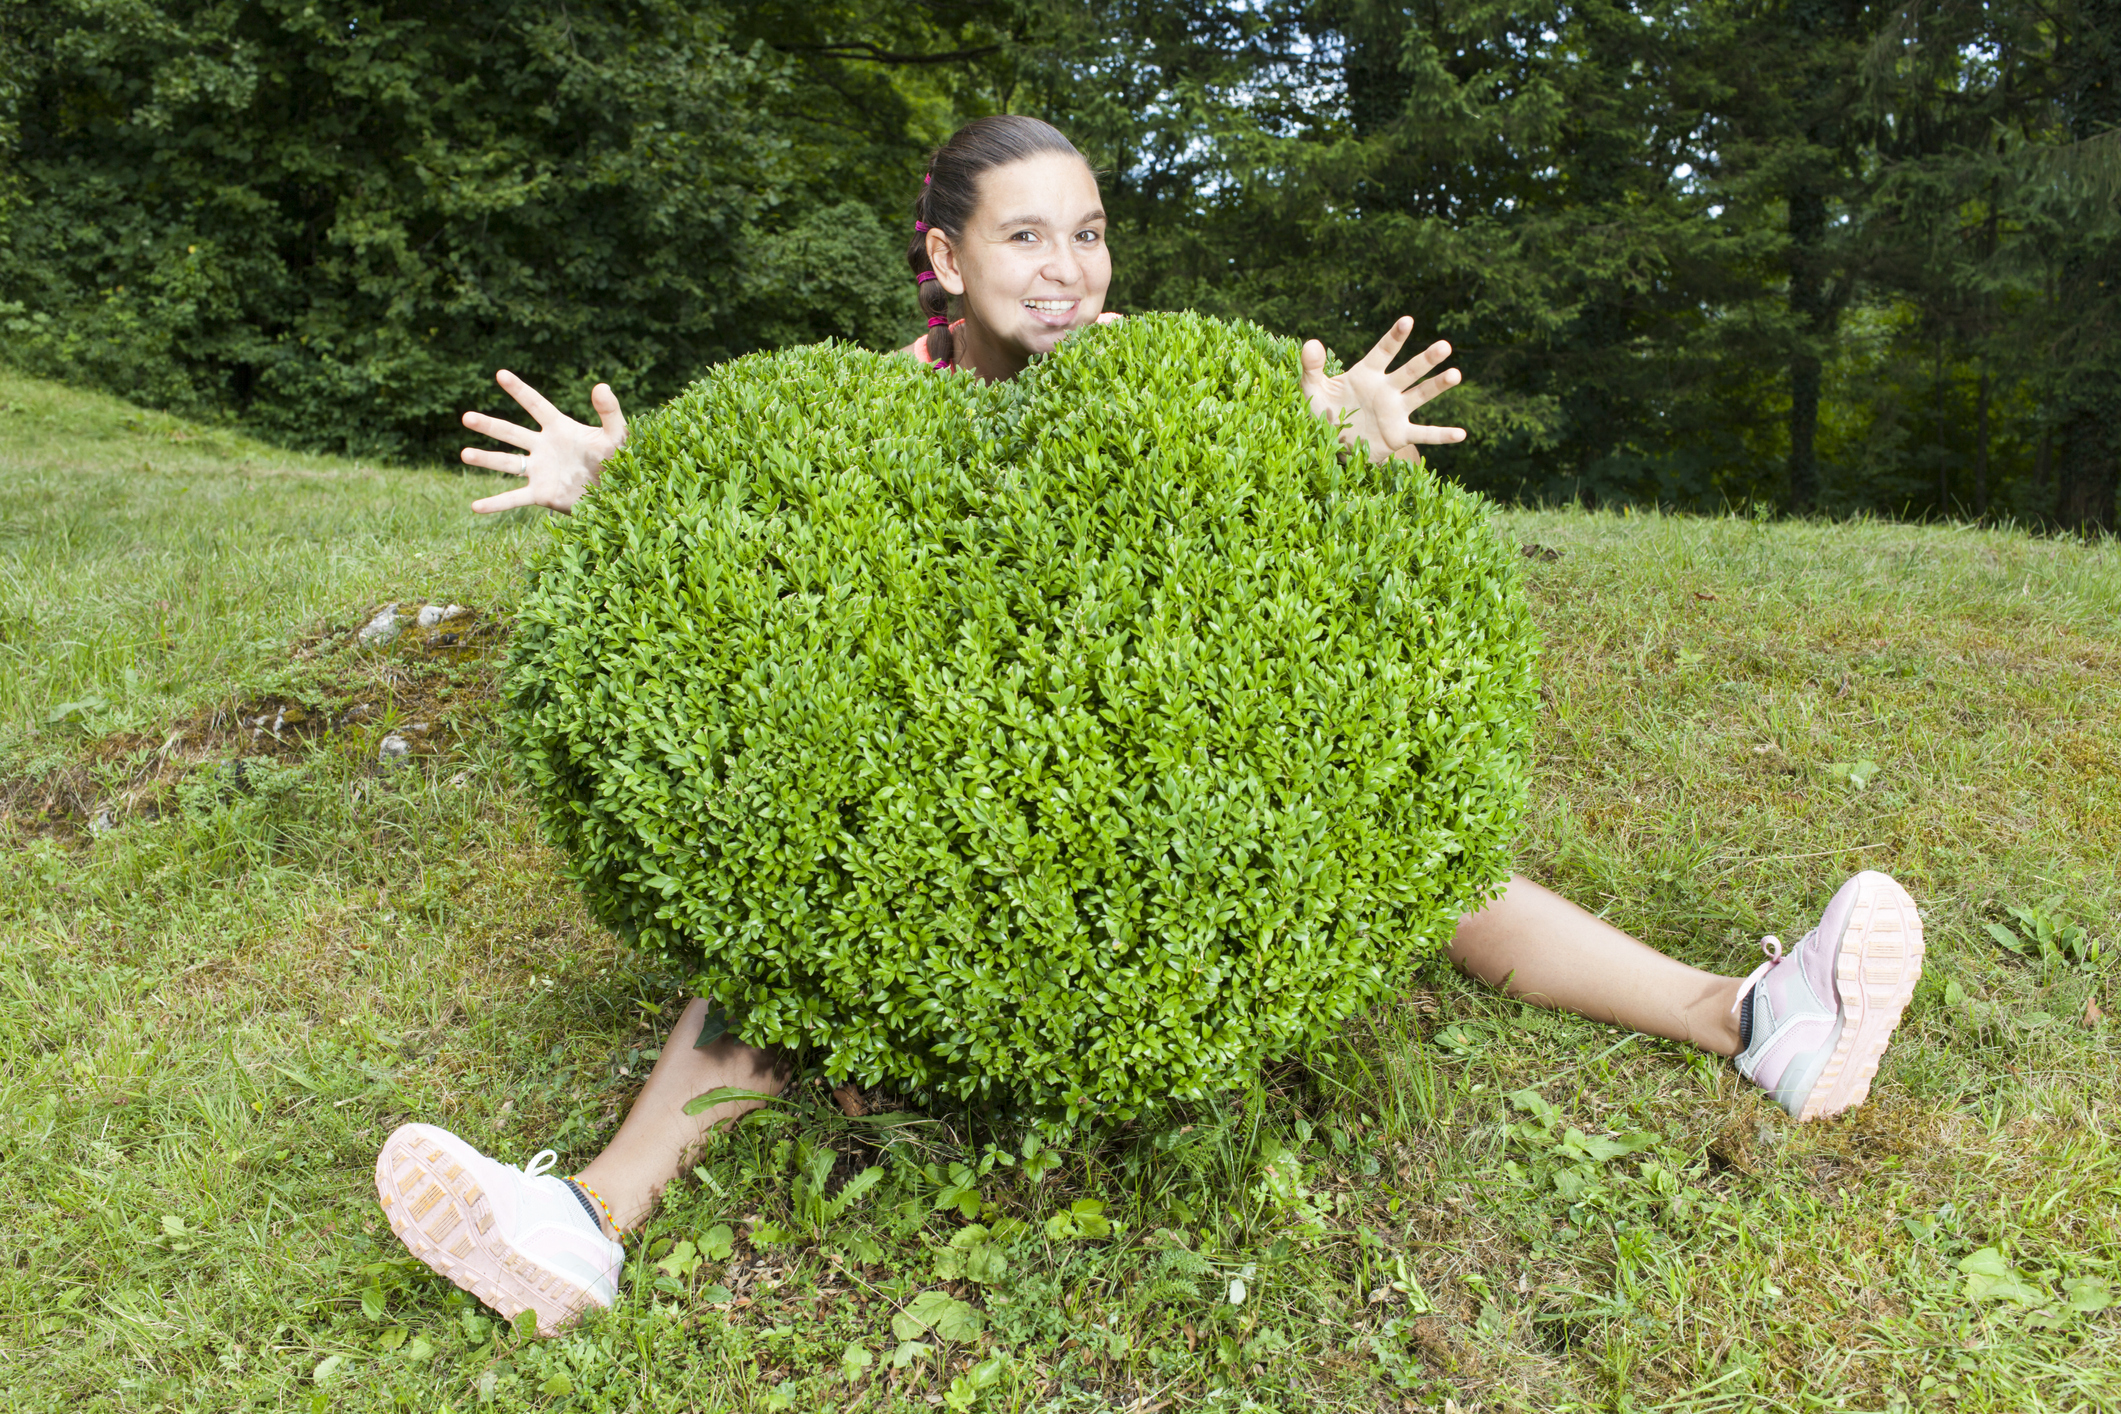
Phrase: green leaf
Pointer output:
(372, 1303)
(852, 1190)
(2087, 1294)
(713, 1027)
(855, 1359)
(724, 1094)
(326, 1368)
(1536, 1105)
(1598, 1149)
(908, 1351)
(558, 1384)
(1990, 1278)
(717, 1243)
(2005, 937)
(681, 1262)
(937, 1312)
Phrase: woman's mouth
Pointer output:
(1054, 313)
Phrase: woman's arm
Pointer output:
(1373, 402)
(558, 461)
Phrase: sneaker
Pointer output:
(518, 1239)
(1821, 1016)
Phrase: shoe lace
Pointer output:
(545, 1160)
(1772, 946)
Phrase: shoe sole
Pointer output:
(440, 1213)
(1875, 970)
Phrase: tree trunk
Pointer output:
(2086, 447)
(2085, 469)
(1944, 441)
(1981, 450)
(1807, 226)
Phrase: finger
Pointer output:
(1314, 366)
(506, 501)
(1443, 382)
(606, 403)
(1386, 349)
(533, 401)
(1431, 436)
(1421, 363)
(509, 462)
(500, 431)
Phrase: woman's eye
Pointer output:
(1089, 237)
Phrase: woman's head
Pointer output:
(1009, 218)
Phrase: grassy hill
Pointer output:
(236, 948)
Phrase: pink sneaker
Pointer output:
(1821, 1017)
(518, 1239)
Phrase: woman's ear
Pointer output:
(942, 258)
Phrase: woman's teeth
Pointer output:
(1050, 306)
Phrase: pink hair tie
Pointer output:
(920, 228)
(924, 277)
(938, 322)
(927, 177)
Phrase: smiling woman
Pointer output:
(1011, 222)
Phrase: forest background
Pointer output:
(1808, 255)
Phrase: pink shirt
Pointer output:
(919, 347)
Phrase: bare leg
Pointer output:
(1541, 947)
(658, 1135)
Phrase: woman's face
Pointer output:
(1031, 263)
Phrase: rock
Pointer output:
(383, 627)
(430, 615)
(454, 611)
(103, 824)
(393, 748)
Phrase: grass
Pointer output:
(232, 959)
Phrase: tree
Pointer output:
(333, 219)
(2088, 401)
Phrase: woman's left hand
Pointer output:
(1373, 402)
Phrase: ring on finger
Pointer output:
(522, 464)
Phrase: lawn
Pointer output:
(238, 947)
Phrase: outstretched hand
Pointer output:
(558, 461)
(1373, 402)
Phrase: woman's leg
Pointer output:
(1817, 1017)
(1538, 946)
(654, 1142)
(527, 1239)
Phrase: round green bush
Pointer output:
(1086, 738)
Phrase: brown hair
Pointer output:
(950, 193)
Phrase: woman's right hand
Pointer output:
(558, 461)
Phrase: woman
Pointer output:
(1011, 225)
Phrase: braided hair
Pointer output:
(949, 195)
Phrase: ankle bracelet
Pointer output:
(598, 1198)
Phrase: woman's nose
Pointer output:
(1065, 267)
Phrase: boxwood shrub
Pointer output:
(1084, 739)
